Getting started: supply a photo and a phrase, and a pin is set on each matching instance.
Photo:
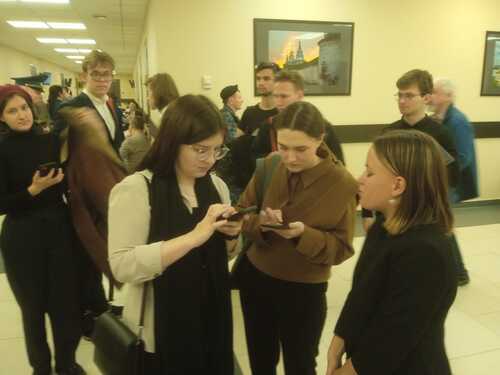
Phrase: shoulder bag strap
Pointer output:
(145, 285)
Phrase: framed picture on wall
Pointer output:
(490, 85)
(320, 51)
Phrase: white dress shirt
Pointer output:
(104, 111)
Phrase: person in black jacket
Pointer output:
(97, 72)
(288, 89)
(404, 282)
(36, 236)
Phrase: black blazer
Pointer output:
(83, 100)
(403, 286)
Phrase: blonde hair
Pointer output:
(417, 158)
(95, 58)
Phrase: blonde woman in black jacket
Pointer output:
(404, 283)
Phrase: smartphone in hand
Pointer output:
(44, 169)
(276, 226)
(240, 213)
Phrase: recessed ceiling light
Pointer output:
(46, 1)
(28, 24)
(67, 25)
(66, 50)
(76, 57)
(52, 40)
(81, 41)
(78, 61)
(82, 51)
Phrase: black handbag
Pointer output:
(118, 350)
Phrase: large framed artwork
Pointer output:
(490, 85)
(320, 51)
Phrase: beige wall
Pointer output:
(17, 64)
(195, 37)
(126, 90)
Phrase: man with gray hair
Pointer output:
(445, 112)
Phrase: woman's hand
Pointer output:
(335, 353)
(296, 230)
(206, 227)
(39, 184)
(231, 228)
(269, 216)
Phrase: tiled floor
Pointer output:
(472, 328)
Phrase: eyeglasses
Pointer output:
(203, 152)
(98, 76)
(405, 96)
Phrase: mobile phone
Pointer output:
(239, 214)
(276, 226)
(242, 212)
(44, 169)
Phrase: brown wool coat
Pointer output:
(93, 169)
(325, 201)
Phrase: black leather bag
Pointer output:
(118, 350)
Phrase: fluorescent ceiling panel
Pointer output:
(76, 57)
(46, 1)
(66, 50)
(52, 40)
(67, 25)
(81, 41)
(28, 24)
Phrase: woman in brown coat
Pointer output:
(284, 276)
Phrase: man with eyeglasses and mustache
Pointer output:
(94, 132)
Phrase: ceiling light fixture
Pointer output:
(76, 57)
(28, 24)
(78, 61)
(81, 41)
(100, 17)
(52, 40)
(46, 1)
(67, 25)
(66, 50)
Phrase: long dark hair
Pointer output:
(187, 120)
(54, 92)
(164, 89)
(301, 116)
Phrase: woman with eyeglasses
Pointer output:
(306, 226)
(169, 235)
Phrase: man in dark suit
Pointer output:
(97, 74)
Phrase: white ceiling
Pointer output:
(119, 34)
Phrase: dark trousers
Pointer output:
(41, 270)
(280, 312)
(93, 297)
